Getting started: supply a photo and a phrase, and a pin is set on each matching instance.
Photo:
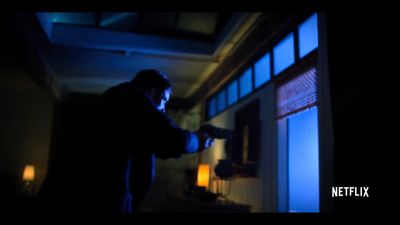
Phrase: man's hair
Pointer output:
(149, 79)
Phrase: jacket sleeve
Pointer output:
(166, 139)
(170, 141)
(133, 120)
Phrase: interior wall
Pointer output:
(260, 191)
(26, 124)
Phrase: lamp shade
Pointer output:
(29, 173)
(203, 175)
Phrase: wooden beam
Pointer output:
(85, 37)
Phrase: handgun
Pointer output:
(216, 132)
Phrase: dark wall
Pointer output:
(26, 116)
(72, 116)
(363, 109)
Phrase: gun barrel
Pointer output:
(217, 132)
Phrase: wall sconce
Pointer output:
(28, 177)
(29, 173)
(203, 175)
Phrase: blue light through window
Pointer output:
(232, 92)
(308, 35)
(303, 162)
(212, 107)
(262, 70)
(245, 83)
(221, 101)
(284, 54)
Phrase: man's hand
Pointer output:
(205, 141)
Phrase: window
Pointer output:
(262, 72)
(308, 35)
(232, 92)
(245, 83)
(298, 147)
(297, 94)
(221, 101)
(212, 107)
(284, 54)
(303, 161)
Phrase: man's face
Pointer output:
(162, 99)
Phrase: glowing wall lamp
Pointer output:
(29, 173)
(203, 175)
(29, 176)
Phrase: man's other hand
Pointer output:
(205, 141)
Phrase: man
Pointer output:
(115, 169)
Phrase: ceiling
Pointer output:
(93, 51)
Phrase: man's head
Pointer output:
(156, 85)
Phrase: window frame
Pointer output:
(274, 78)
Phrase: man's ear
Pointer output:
(153, 92)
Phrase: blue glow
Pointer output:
(115, 18)
(232, 92)
(245, 83)
(221, 101)
(45, 20)
(262, 70)
(303, 162)
(193, 145)
(308, 35)
(75, 18)
(212, 107)
(284, 54)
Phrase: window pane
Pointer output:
(282, 165)
(232, 92)
(303, 162)
(245, 83)
(221, 101)
(284, 54)
(262, 70)
(308, 35)
(212, 107)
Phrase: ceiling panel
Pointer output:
(184, 25)
(119, 21)
(92, 59)
(88, 19)
(204, 23)
(159, 22)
